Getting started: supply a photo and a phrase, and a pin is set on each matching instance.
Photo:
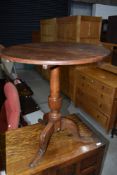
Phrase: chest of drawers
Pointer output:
(96, 93)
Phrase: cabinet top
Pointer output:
(55, 53)
(95, 73)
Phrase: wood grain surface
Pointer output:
(19, 147)
(99, 88)
(108, 67)
(55, 53)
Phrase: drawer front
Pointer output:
(102, 100)
(100, 95)
(68, 170)
(88, 107)
(89, 162)
(99, 101)
(97, 85)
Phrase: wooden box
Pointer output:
(90, 29)
(65, 154)
(96, 93)
(85, 29)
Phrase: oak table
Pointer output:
(52, 55)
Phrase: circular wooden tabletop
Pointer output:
(54, 53)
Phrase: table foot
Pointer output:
(43, 143)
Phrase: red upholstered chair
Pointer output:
(10, 111)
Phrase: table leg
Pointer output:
(53, 118)
(43, 143)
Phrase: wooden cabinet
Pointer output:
(96, 93)
(84, 29)
(48, 30)
(65, 155)
(69, 29)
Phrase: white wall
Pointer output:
(78, 8)
(104, 10)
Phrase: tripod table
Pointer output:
(52, 55)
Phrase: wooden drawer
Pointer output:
(92, 91)
(88, 107)
(89, 162)
(68, 170)
(100, 101)
(97, 85)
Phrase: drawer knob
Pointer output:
(100, 105)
